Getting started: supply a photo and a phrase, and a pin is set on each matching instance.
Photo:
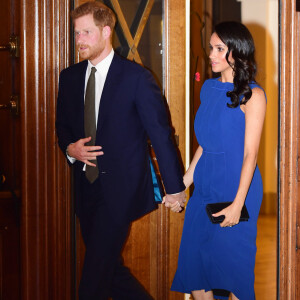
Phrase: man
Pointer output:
(107, 107)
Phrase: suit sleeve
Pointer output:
(63, 129)
(154, 118)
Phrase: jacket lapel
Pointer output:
(80, 92)
(109, 89)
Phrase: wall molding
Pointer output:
(45, 212)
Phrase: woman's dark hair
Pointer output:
(240, 43)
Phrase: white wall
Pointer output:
(261, 17)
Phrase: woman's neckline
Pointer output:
(224, 82)
(221, 84)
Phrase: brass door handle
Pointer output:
(13, 46)
(13, 106)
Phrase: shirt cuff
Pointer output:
(176, 193)
(70, 158)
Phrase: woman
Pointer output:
(228, 127)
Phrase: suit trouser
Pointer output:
(103, 274)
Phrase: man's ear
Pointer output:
(106, 31)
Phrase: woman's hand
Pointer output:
(232, 215)
(176, 207)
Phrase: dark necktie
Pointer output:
(91, 173)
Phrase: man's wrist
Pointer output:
(177, 193)
(67, 150)
(70, 158)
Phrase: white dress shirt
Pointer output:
(100, 77)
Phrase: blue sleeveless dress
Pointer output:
(212, 257)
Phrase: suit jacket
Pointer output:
(131, 110)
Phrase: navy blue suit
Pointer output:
(131, 111)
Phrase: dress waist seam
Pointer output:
(213, 152)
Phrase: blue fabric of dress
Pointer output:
(212, 257)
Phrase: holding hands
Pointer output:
(175, 201)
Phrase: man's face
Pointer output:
(89, 38)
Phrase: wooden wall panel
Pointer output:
(46, 211)
(200, 32)
(9, 247)
(2, 232)
(175, 32)
(289, 217)
(297, 96)
(142, 253)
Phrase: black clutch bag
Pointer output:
(213, 208)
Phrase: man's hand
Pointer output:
(175, 201)
(84, 153)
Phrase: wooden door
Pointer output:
(10, 158)
(151, 250)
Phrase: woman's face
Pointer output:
(217, 56)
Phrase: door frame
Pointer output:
(288, 174)
(46, 232)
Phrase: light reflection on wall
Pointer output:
(261, 17)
